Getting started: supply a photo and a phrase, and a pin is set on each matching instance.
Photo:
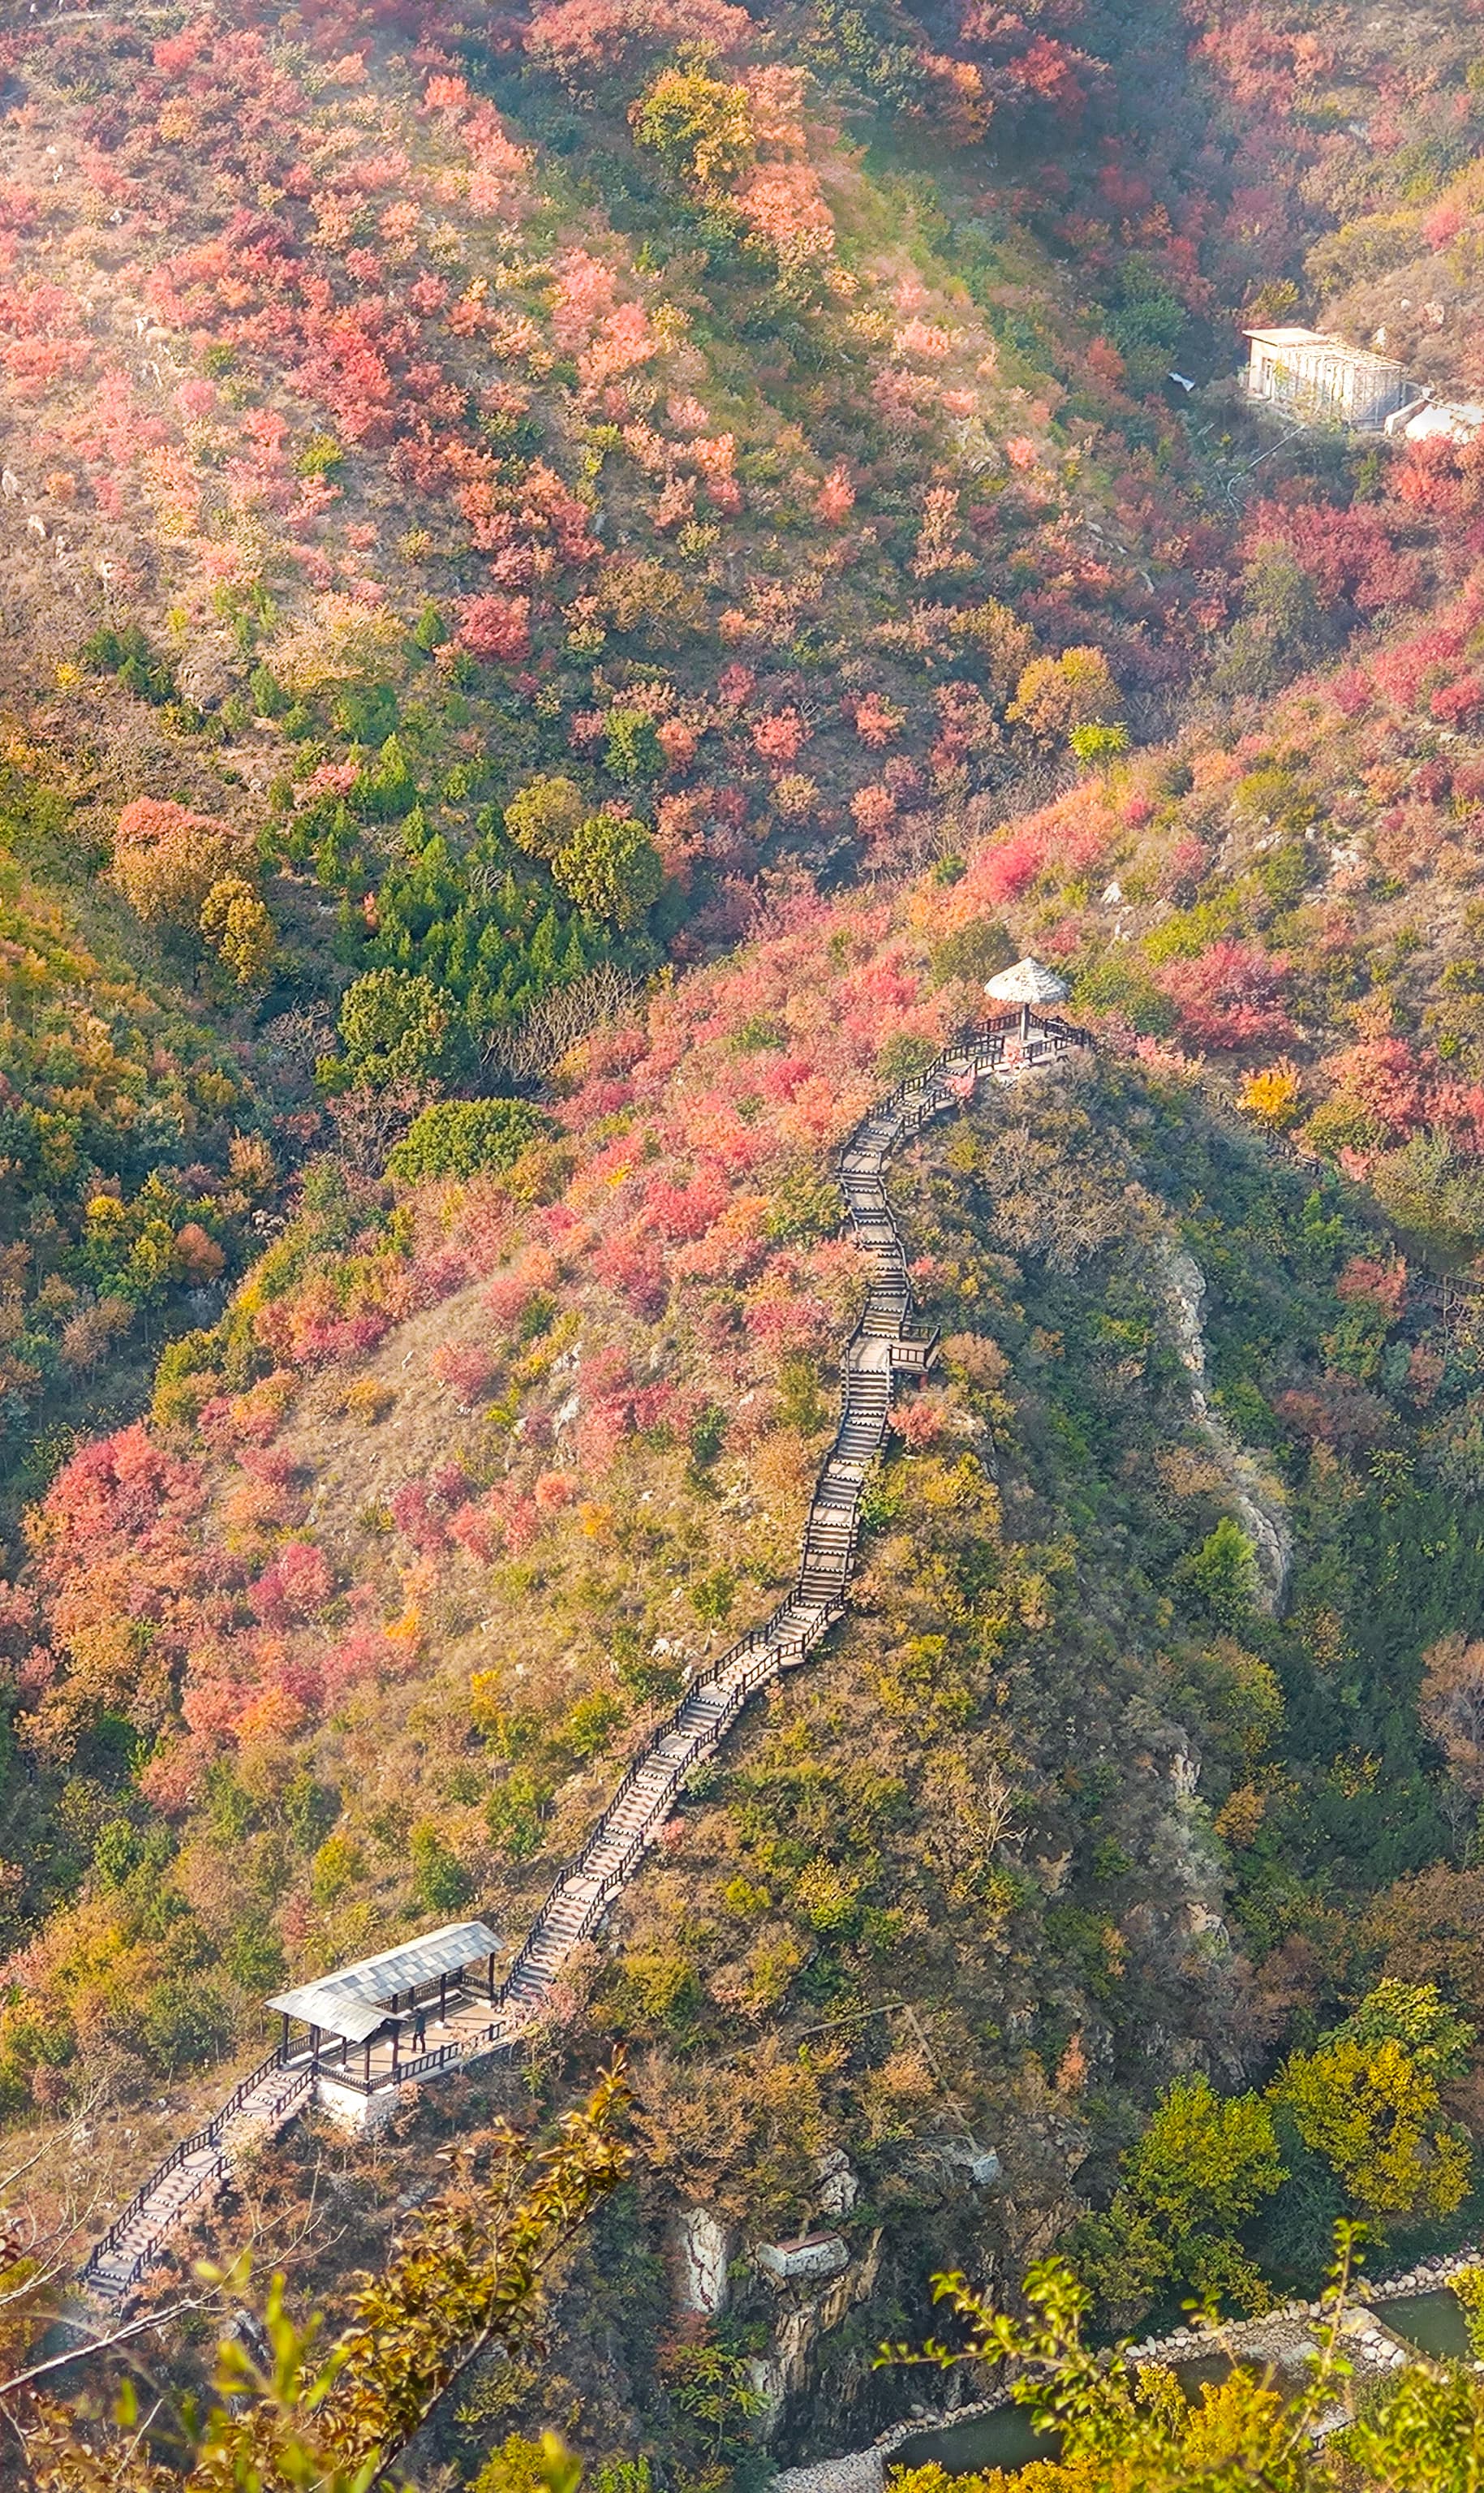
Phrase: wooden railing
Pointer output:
(204, 2136)
(209, 2136)
(586, 1885)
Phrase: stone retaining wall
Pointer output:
(1267, 2339)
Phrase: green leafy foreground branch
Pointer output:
(1126, 2427)
(468, 2275)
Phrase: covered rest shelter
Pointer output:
(364, 2004)
(1026, 983)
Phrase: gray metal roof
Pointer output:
(352, 2001)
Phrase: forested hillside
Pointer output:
(574, 579)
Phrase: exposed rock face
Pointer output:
(981, 2164)
(804, 2262)
(1254, 1492)
(784, 2370)
(204, 676)
(703, 2247)
(838, 2188)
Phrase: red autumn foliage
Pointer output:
(1349, 556)
(116, 1492)
(1231, 997)
(1374, 1284)
(496, 627)
(604, 38)
(469, 1368)
(295, 1584)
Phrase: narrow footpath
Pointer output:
(884, 1346)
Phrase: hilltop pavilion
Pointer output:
(1028, 983)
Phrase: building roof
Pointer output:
(1446, 420)
(352, 2001)
(1028, 982)
(1323, 338)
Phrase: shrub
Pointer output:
(166, 860)
(544, 816)
(904, 1057)
(1273, 1095)
(1056, 695)
(185, 2023)
(713, 1597)
(128, 656)
(395, 1028)
(611, 868)
(459, 1138)
(367, 1401)
(440, 1882)
(237, 925)
(1223, 1573)
(583, 39)
(591, 1724)
(974, 950)
(515, 1809)
(699, 126)
(339, 1866)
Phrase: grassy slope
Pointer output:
(1015, 1857)
(1041, 1807)
(186, 262)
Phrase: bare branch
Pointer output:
(97, 2346)
(558, 1019)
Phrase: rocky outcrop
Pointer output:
(702, 2251)
(1256, 1496)
(783, 2371)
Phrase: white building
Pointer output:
(1319, 379)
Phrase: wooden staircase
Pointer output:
(883, 1347)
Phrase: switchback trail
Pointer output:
(883, 1345)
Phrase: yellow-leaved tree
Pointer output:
(237, 925)
(1129, 2427)
(469, 2274)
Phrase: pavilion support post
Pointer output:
(284, 2037)
(1025, 1025)
(490, 1976)
(314, 2045)
(366, 2072)
(396, 2049)
(443, 2000)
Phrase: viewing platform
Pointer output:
(374, 2026)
